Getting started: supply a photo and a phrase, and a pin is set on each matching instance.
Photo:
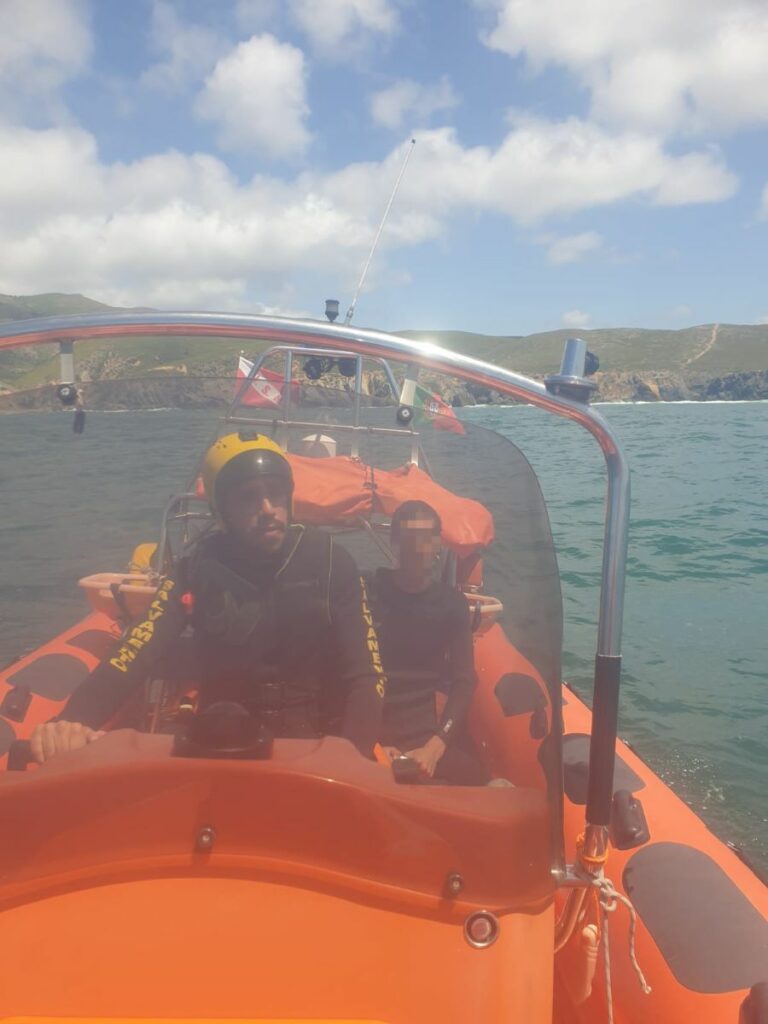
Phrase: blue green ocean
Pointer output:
(695, 686)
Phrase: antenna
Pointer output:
(351, 310)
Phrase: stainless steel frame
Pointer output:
(288, 353)
(378, 345)
(177, 510)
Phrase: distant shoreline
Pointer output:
(52, 410)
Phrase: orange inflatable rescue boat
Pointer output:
(145, 879)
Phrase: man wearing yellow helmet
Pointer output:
(279, 613)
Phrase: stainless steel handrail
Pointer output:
(310, 424)
(338, 354)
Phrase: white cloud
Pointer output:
(43, 44)
(189, 51)
(543, 168)
(336, 26)
(683, 66)
(576, 318)
(418, 102)
(571, 248)
(170, 229)
(682, 312)
(763, 211)
(691, 180)
(257, 96)
(179, 229)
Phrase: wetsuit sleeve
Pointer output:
(115, 679)
(461, 669)
(357, 648)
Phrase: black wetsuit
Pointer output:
(288, 636)
(426, 645)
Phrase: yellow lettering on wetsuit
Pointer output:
(143, 632)
(373, 644)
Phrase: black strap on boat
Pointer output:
(121, 601)
(477, 616)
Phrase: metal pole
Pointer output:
(67, 361)
(287, 395)
(356, 410)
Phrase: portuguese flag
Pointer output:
(434, 408)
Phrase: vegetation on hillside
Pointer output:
(620, 350)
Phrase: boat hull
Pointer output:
(127, 918)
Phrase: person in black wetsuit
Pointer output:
(426, 645)
(279, 615)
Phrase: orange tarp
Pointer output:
(332, 490)
(340, 489)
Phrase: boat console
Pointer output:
(131, 804)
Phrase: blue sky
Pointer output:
(575, 164)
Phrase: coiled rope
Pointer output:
(609, 898)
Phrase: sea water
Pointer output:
(695, 683)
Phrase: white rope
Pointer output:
(609, 897)
(607, 962)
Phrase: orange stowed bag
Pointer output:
(341, 489)
(326, 491)
(330, 491)
(467, 525)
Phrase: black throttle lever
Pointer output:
(406, 771)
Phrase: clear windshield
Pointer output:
(98, 494)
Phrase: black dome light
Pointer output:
(314, 368)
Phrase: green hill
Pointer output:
(24, 368)
(630, 358)
(621, 350)
(24, 307)
(17, 364)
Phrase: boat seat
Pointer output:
(712, 936)
(119, 594)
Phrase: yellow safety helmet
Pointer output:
(234, 458)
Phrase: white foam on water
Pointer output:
(682, 401)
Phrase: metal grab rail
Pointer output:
(288, 353)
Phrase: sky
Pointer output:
(591, 164)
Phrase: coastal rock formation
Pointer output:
(185, 392)
(681, 387)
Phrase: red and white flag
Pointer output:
(442, 415)
(266, 387)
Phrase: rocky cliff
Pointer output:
(681, 387)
